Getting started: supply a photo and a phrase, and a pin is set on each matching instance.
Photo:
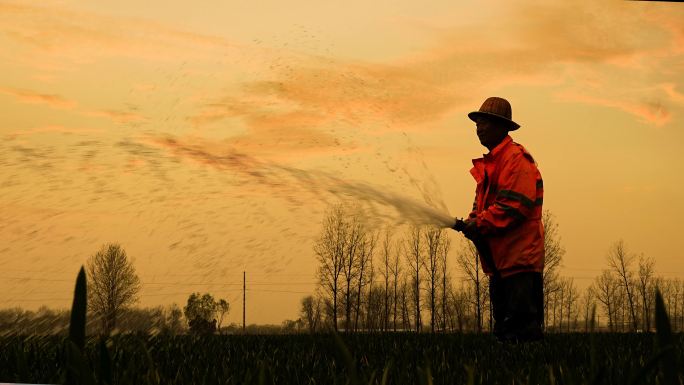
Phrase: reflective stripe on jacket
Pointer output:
(508, 208)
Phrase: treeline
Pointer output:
(113, 290)
(372, 280)
(379, 281)
(45, 321)
(623, 295)
(402, 279)
(168, 320)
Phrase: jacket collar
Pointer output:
(494, 153)
(478, 171)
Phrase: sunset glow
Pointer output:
(209, 140)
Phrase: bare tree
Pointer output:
(374, 309)
(681, 287)
(222, 309)
(433, 238)
(404, 304)
(645, 280)
(459, 299)
(606, 289)
(174, 316)
(620, 313)
(330, 248)
(558, 302)
(443, 253)
(386, 275)
(365, 267)
(553, 257)
(675, 291)
(469, 262)
(327, 314)
(350, 266)
(681, 303)
(620, 261)
(588, 306)
(311, 312)
(416, 261)
(395, 268)
(570, 301)
(114, 285)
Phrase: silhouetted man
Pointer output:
(506, 225)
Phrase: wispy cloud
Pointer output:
(63, 33)
(27, 96)
(54, 128)
(311, 104)
(317, 92)
(20, 136)
(115, 115)
(589, 51)
(649, 112)
(671, 90)
(60, 102)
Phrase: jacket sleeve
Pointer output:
(515, 197)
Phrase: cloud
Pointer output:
(53, 128)
(323, 106)
(115, 115)
(317, 92)
(671, 90)
(592, 52)
(61, 102)
(312, 104)
(26, 96)
(61, 33)
(356, 92)
(650, 112)
(275, 131)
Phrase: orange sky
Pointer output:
(378, 93)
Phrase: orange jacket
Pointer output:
(508, 208)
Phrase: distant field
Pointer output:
(406, 358)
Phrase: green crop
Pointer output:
(363, 358)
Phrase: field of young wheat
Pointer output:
(403, 358)
(392, 358)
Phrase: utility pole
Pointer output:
(244, 286)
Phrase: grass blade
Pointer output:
(385, 374)
(642, 375)
(78, 371)
(105, 364)
(596, 368)
(664, 341)
(77, 325)
(348, 360)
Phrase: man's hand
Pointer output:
(470, 231)
(460, 225)
(468, 228)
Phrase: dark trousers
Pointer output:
(517, 306)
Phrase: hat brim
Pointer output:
(512, 126)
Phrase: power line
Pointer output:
(208, 283)
(39, 279)
(173, 274)
(151, 295)
(265, 275)
(36, 300)
(280, 291)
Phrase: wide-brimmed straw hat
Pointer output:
(498, 108)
